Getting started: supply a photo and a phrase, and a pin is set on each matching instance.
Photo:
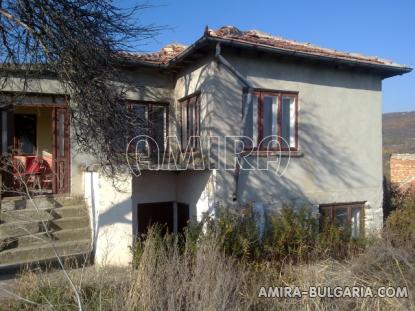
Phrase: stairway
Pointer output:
(33, 233)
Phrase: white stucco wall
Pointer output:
(111, 218)
(194, 188)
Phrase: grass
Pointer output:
(221, 267)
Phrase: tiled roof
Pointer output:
(258, 38)
(160, 57)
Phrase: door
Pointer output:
(6, 147)
(61, 150)
(150, 214)
(172, 216)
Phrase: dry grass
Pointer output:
(174, 276)
(169, 279)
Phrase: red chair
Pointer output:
(34, 171)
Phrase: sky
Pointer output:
(382, 28)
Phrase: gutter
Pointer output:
(247, 104)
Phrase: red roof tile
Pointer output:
(160, 57)
(260, 38)
(233, 34)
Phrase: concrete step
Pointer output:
(32, 214)
(69, 223)
(41, 202)
(19, 228)
(42, 252)
(10, 216)
(47, 237)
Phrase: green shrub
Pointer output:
(236, 232)
(400, 225)
(334, 242)
(290, 233)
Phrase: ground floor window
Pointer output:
(348, 216)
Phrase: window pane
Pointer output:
(355, 225)
(62, 134)
(191, 116)
(158, 125)
(190, 122)
(251, 122)
(269, 124)
(325, 217)
(196, 126)
(140, 126)
(287, 122)
(341, 216)
(184, 124)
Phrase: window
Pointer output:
(25, 134)
(272, 122)
(190, 122)
(345, 216)
(148, 119)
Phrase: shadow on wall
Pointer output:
(321, 167)
(333, 159)
(329, 162)
(304, 72)
(118, 213)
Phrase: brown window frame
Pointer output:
(184, 103)
(260, 93)
(349, 206)
(150, 105)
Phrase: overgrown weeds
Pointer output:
(222, 264)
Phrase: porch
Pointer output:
(35, 145)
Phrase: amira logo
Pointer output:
(212, 152)
(280, 292)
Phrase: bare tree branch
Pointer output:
(79, 44)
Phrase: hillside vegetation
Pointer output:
(398, 135)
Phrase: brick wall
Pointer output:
(402, 168)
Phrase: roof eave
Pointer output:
(384, 70)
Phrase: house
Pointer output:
(260, 120)
(402, 171)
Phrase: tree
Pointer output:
(78, 42)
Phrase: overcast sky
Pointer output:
(382, 28)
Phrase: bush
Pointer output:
(400, 225)
(290, 233)
(236, 232)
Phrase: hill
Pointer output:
(398, 135)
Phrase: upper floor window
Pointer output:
(272, 121)
(148, 119)
(190, 121)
